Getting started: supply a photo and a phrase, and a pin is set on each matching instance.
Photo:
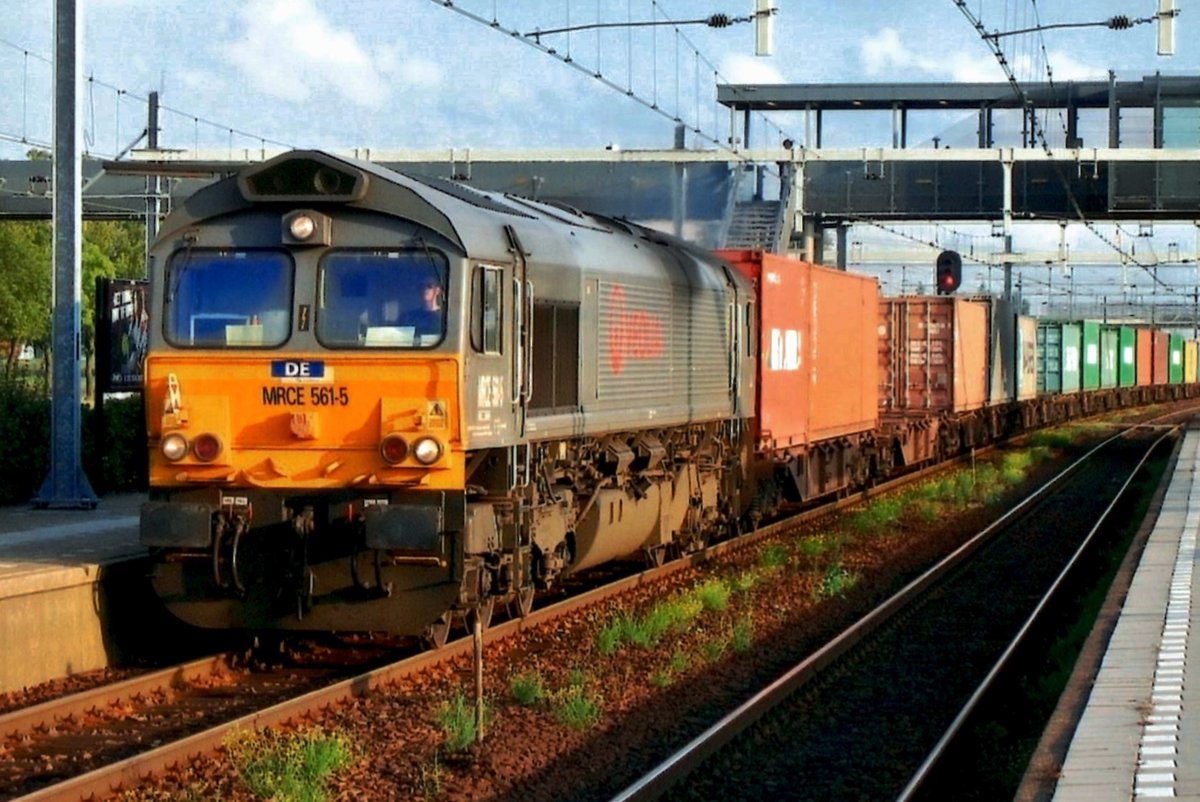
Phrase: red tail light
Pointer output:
(393, 449)
(206, 447)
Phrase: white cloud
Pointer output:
(421, 71)
(739, 68)
(291, 51)
(1068, 68)
(885, 55)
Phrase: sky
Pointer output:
(412, 74)
(238, 75)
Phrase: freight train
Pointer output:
(382, 402)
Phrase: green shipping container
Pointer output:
(1109, 347)
(1127, 370)
(1175, 368)
(1090, 351)
(1058, 356)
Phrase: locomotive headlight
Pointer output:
(427, 450)
(206, 447)
(393, 449)
(305, 227)
(302, 227)
(174, 447)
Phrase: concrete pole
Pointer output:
(66, 486)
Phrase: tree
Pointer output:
(112, 249)
(24, 288)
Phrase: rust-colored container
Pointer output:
(1160, 361)
(933, 354)
(818, 365)
(1145, 357)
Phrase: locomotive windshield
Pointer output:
(382, 299)
(218, 299)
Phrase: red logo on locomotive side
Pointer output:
(634, 334)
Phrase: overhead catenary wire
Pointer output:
(651, 101)
(1120, 22)
(1038, 131)
(120, 94)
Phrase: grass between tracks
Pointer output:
(276, 765)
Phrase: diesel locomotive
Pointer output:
(377, 402)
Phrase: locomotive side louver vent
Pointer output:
(303, 177)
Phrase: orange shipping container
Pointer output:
(818, 369)
(1161, 358)
(1145, 357)
(933, 355)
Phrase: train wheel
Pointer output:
(437, 633)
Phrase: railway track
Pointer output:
(123, 771)
(870, 715)
(48, 748)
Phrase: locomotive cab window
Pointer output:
(485, 309)
(382, 299)
(228, 299)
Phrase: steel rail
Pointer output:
(683, 762)
(939, 749)
(47, 714)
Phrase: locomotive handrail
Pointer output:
(527, 379)
(514, 392)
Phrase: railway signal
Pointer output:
(949, 272)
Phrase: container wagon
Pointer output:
(817, 330)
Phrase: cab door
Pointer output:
(490, 415)
(497, 365)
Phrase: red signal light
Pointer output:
(949, 272)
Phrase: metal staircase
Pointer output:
(759, 224)
(754, 226)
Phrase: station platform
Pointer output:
(1139, 736)
(61, 572)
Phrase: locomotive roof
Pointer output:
(473, 220)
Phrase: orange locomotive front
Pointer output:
(304, 412)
